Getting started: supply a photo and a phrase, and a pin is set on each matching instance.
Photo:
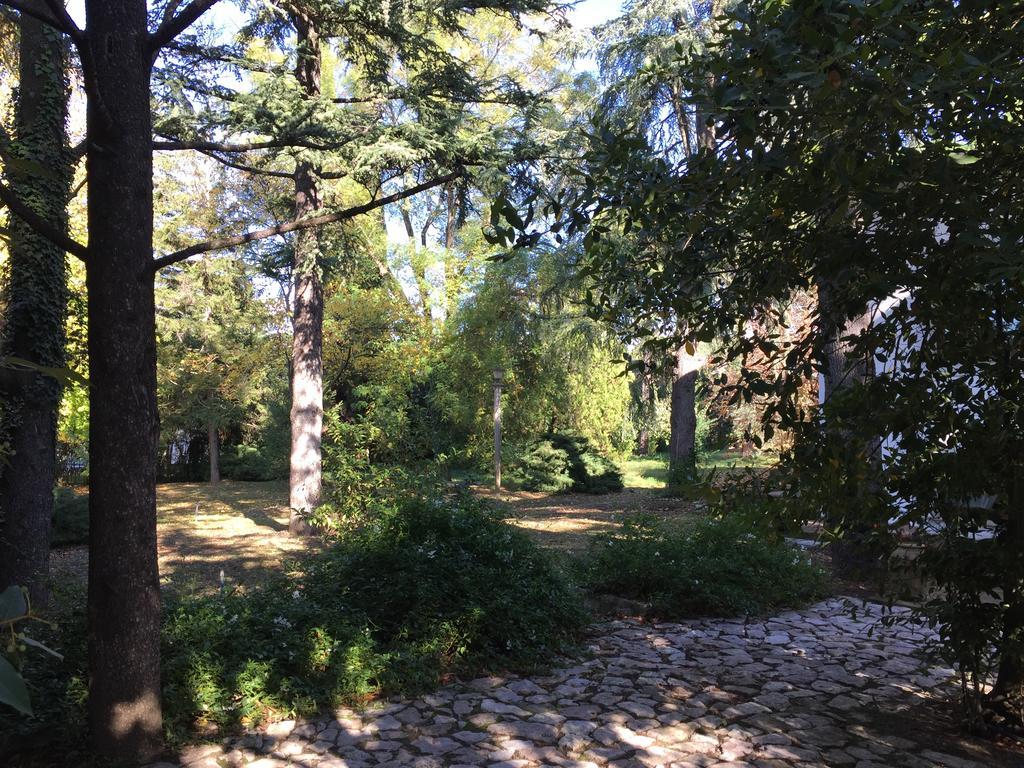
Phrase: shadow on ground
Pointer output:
(810, 688)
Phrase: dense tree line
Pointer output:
(805, 215)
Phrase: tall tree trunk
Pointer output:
(1007, 696)
(36, 309)
(646, 405)
(307, 414)
(683, 404)
(213, 445)
(682, 446)
(852, 554)
(124, 585)
(841, 368)
(643, 437)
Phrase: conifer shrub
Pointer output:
(561, 462)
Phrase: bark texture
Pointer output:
(36, 300)
(643, 437)
(852, 555)
(213, 447)
(307, 413)
(124, 587)
(682, 445)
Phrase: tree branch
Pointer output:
(60, 13)
(246, 168)
(220, 146)
(39, 224)
(57, 22)
(300, 224)
(173, 27)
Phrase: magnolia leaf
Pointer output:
(63, 375)
(962, 158)
(29, 167)
(12, 688)
(13, 604)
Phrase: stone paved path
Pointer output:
(808, 688)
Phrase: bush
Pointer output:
(702, 568)
(357, 487)
(562, 462)
(247, 462)
(431, 588)
(70, 518)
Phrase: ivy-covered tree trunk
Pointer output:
(682, 445)
(124, 587)
(37, 295)
(307, 413)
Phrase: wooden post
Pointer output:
(499, 379)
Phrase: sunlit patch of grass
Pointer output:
(728, 459)
(652, 471)
(645, 471)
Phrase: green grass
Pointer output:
(645, 471)
(652, 471)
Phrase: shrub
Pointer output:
(562, 462)
(358, 488)
(430, 588)
(541, 467)
(247, 462)
(70, 518)
(702, 568)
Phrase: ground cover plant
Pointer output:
(435, 587)
(430, 589)
(703, 567)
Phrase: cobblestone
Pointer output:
(803, 688)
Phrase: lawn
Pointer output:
(236, 532)
(233, 533)
(652, 471)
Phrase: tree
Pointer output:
(864, 148)
(38, 164)
(328, 144)
(117, 52)
(654, 102)
(307, 415)
(212, 351)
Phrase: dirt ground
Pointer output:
(237, 531)
(566, 522)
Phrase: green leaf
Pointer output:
(12, 688)
(28, 167)
(13, 604)
(63, 375)
(962, 158)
